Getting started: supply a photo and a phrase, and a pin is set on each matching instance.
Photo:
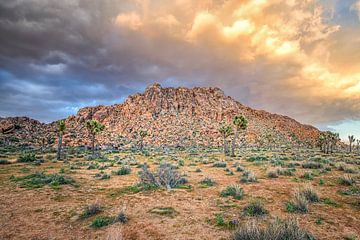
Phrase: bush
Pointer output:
(255, 209)
(272, 174)
(308, 176)
(234, 191)
(310, 194)
(39, 179)
(312, 165)
(347, 180)
(102, 221)
(350, 170)
(220, 164)
(299, 204)
(122, 217)
(207, 181)
(285, 171)
(257, 158)
(240, 169)
(278, 230)
(248, 177)
(102, 176)
(125, 170)
(27, 157)
(91, 210)
(4, 161)
(165, 176)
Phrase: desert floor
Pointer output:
(192, 211)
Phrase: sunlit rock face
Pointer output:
(171, 116)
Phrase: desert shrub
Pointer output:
(102, 176)
(220, 221)
(347, 180)
(277, 230)
(198, 170)
(220, 164)
(240, 169)
(4, 161)
(39, 179)
(248, 176)
(341, 166)
(91, 210)
(312, 165)
(299, 204)
(102, 221)
(234, 191)
(310, 194)
(181, 163)
(286, 171)
(121, 217)
(350, 170)
(125, 170)
(165, 176)
(27, 157)
(207, 181)
(257, 158)
(255, 209)
(272, 174)
(308, 176)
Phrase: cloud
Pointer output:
(356, 7)
(131, 20)
(285, 56)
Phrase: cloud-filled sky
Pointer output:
(299, 58)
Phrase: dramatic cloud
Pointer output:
(295, 57)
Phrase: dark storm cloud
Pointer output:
(57, 56)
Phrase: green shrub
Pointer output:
(298, 204)
(102, 221)
(308, 176)
(207, 181)
(234, 191)
(4, 161)
(347, 180)
(220, 164)
(125, 170)
(39, 179)
(312, 165)
(248, 176)
(91, 210)
(255, 209)
(27, 157)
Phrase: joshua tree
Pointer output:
(358, 144)
(61, 130)
(94, 127)
(225, 131)
(240, 123)
(351, 141)
(143, 133)
(328, 141)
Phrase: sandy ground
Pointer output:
(47, 213)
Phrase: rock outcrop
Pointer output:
(171, 116)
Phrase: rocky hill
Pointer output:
(171, 116)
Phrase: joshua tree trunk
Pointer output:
(59, 147)
(225, 147)
(141, 144)
(234, 142)
(350, 146)
(93, 144)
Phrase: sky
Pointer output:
(299, 58)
